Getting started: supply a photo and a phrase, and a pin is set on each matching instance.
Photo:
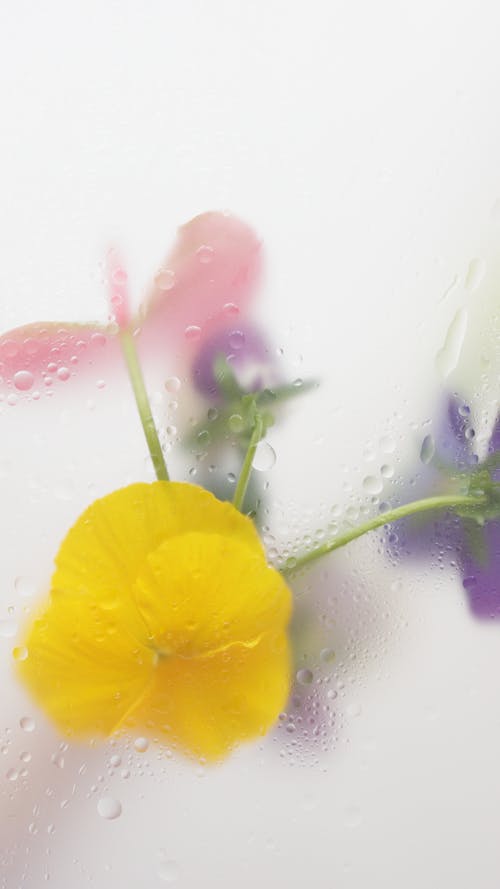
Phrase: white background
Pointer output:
(362, 141)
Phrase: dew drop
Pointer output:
(236, 339)
(23, 380)
(115, 760)
(20, 653)
(388, 444)
(12, 775)
(372, 484)
(305, 676)
(27, 724)
(165, 280)
(58, 760)
(192, 333)
(427, 449)
(475, 274)
(24, 587)
(231, 309)
(327, 655)
(172, 384)
(8, 629)
(387, 471)
(235, 423)
(141, 745)
(264, 457)
(119, 276)
(205, 254)
(110, 808)
(63, 374)
(448, 355)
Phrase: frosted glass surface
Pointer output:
(361, 142)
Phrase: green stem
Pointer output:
(447, 501)
(246, 469)
(143, 405)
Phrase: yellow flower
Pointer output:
(164, 617)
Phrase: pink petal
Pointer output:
(118, 289)
(38, 357)
(207, 280)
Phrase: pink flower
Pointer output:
(210, 275)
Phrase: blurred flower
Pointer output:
(246, 353)
(203, 668)
(475, 549)
(209, 277)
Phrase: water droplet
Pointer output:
(23, 380)
(205, 254)
(119, 276)
(63, 374)
(236, 339)
(8, 629)
(236, 423)
(27, 724)
(427, 449)
(372, 484)
(475, 274)
(172, 384)
(305, 676)
(58, 760)
(387, 471)
(388, 444)
(264, 457)
(448, 355)
(25, 756)
(109, 807)
(12, 775)
(231, 309)
(98, 338)
(202, 441)
(141, 745)
(192, 332)
(165, 279)
(327, 655)
(101, 384)
(20, 653)
(115, 760)
(24, 587)
(12, 400)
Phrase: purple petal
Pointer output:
(245, 351)
(481, 578)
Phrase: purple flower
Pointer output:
(247, 355)
(473, 548)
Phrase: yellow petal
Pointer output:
(199, 593)
(162, 606)
(107, 547)
(84, 667)
(206, 705)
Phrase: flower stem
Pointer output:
(246, 469)
(447, 501)
(143, 405)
